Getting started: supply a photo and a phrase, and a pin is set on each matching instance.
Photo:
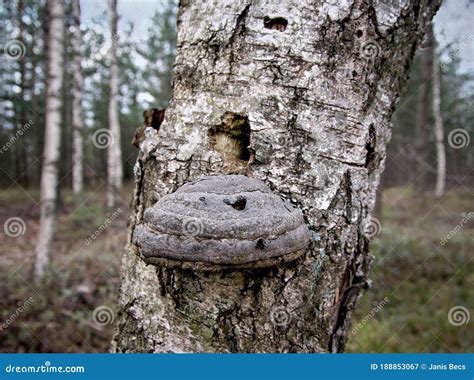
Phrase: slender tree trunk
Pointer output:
(423, 112)
(49, 175)
(36, 167)
(316, 85)
(43, 61)
(114, 154)
(378, 207)
(22, 158)
(77, 114)
(438, 121)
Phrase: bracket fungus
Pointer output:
(222, 221)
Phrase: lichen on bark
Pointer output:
(318, 95)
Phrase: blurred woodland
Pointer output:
(83, 273)
(144, 82)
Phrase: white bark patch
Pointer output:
(335, 9)
(186, 151)
(388, 12)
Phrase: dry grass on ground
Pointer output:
(56, 315)
(422, 278)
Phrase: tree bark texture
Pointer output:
(49, 175)
(77, 114)
(316, 82)
(114, 151)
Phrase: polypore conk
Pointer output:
(221, 221)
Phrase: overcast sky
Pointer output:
(454, 22)
(139, 12)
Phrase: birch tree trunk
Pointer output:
(316, 84)
(423, 112)
(77, 122)
(21, 157)
(438, 122)
(49, 175)
(114, 154)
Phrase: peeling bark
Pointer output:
(317, 92)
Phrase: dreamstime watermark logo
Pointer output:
(280, 316)
(458, 138)
(370, 50)
(103, 316)
(378, 306)
(103, 226)
(14, 50)
(465, 219)
(102, 138)
(22, 306)
(45, 368)
(373, 228)
(19, 132)
(455, 53)
(14, 227)
(458, 316)
(192, 227)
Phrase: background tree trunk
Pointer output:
(438, 121)
(423, 111)
(22, 158)
(77, 114)
(49, 175)
(114, 154)
(36, 112)
(317, 86)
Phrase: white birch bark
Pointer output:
(318, 90)
(438, 125)
(49, 175)
(77, 114)
(114, 154)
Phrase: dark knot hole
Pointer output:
(232, 137)
(276, 23)
(238, 204)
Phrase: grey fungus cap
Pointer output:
(221, 221)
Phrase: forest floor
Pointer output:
(422, 293)
(416, 279)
